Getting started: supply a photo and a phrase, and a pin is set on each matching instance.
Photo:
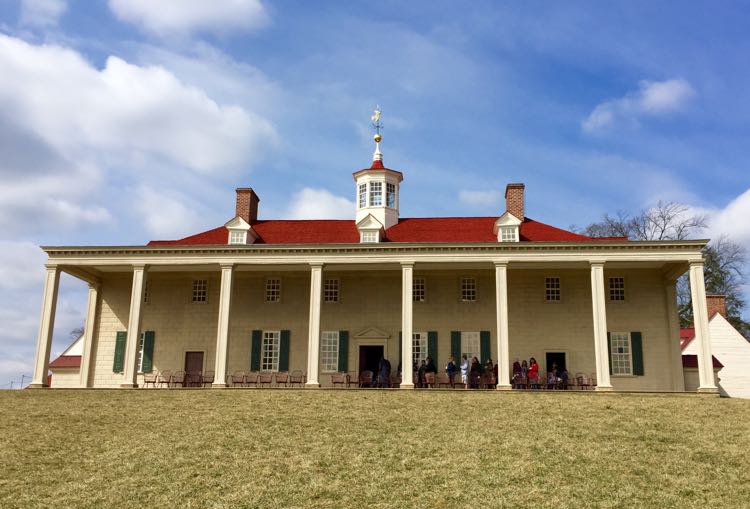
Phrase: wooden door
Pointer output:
(193, 367)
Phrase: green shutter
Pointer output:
(284, 351)
(343, 351)
(400, 348)
(120, 341)
(636, 344)
(432, 345)
(456, 345)
(484, 346)
(257, 336)
(148, 351)
(609, 351)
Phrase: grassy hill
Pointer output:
(297, 448)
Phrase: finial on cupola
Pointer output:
(377, 125)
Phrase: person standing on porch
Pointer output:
(465, 371)
(450, 368)
(534, 373)
(384, 373)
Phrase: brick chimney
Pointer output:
(247, 204)
(716, 304)
(514, 200)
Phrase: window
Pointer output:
(139, 354)
(237, 237)
(390, 195)
(369, 237)
(468, 289)
(362, 196)
(269, 360)
(147, 292)
(329, 351)
(417, 290)
(552, 289)
(331, 290)
(376, 194)
(273, 290)
(419, 347)
(622, 359)
(200, 290)
(470, 345)
(508, 234)
(617, 288)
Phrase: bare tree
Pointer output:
(664, 221)
(77, 332)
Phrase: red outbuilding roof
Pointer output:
(66, 361)
(691, 361)
(425, 229)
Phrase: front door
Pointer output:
(193, 362)
(556, 358)
(369, 357)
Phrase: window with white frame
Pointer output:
(331, 290)
(552, 289)
(329, 351)
(269, 360)
(419, 347)
(390, 195)
(622, 358)
(470, 345)
(369, 236)
(418, 289)
(139, 354)
(147, 292)
(237, 237)
(273, 290)
(376, 194)
(617, 288)
(508, 234)
(362, 196)
(200, 290)
(468, 289)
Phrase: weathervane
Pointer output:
(377, 125)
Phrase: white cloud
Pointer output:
(312, 203)
(177, 17)
(165, 214)
(731, 220)
(652, 98)
(482, 198)
(21, 265)
(42, 13)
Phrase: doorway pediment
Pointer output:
(372, 333)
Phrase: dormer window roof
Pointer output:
(240, 232)
(507, 228)
(370, 230)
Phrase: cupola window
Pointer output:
(390, 195)
(362, 196)
(376, 194)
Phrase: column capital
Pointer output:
(597, 262)
(316, 265)
(226, 265)
(697, 263)
(407, 263)
(51, 266)
(95, 286)
(139, 266)
(500, 263)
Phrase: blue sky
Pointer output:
(121, 123)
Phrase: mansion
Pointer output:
(322, 297)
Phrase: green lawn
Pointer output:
(301, 448)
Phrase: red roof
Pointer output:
(686, 336)
(691, 361)
(66, 361)
(425, 229)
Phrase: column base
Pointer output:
(708, 391)
(312, 385)
(506, 387)
(219, 385)
(37, 386)
(406, 386)
(604, 388)
(128, 386)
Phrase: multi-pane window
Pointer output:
(269, 360)
(237, 237)
(622, 359)
(329, 351)
(200, 290)
(617, 288)
(376, 194)
(508, 234)
(468, 289)
(369, 237)
(390, 195)
(147, 292)
(273, 290)
(470, 345)
(418, 292)
(419, 347)
(552, 289)
(331, 290)
(362, 195)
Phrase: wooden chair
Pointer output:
(442, 380)
(341, 379)
(395, 381)
(489, 381)
(365, 379)
(165, 377)
(353, 378)
(583, 381)
(193, 379)
(593, 381)
(265, 379)
(429, 380)
(207, 379)
(251, 379)
(178, 379)
(149, 378)
(297, 377)
(237, 378)
(282, 379)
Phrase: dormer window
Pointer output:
(240, 232)
(509, 234)
(237, 237)
(370, 236)
(507, 228)
(376, 194)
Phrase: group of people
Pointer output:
(471, 372)
(528, 373)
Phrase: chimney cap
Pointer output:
(517, 185)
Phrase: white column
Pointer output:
(134, 327)
(702, 336)
(313, 343)
(407, 304)
(88, 333)
(46, 327)
(673, 319)
(222, 333)
(501, 303)
(601, 350)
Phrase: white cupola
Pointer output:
(377, 193)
